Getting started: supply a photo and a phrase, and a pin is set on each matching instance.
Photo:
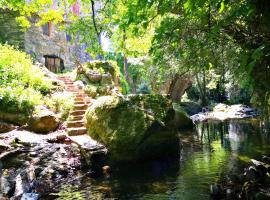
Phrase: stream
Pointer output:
(209, 153)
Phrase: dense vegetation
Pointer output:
(22, 84)
(222, 45)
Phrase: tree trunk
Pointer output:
(125, 67)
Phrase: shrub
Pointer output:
(60, 103)
(22, 84)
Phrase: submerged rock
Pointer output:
(43, 121)
(132, 127)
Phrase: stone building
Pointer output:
(50, 46)
(53, 47)
(46, 44)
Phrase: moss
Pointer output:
(102, 67)
(123, 123)
(91, 90)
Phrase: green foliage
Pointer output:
(91, 90)
(125, 89)
(102, 67)
(193, 93)
(22, 84)
(41, 8)
(143, 89)
(60, 103)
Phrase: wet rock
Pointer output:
(43, 121)
(30, 196)
(6, 127)
(7, 184)
(266, 159)
(21, 185)
(223, 112)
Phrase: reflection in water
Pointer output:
(208, 153)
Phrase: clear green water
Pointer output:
(211, 151)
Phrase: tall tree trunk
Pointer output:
(98, 32)
(125, 67)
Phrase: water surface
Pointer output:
(210, 152)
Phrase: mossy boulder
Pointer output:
(91, 90)
(132, 127)
(43, 121)
(104, 67)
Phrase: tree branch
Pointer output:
(93, 18)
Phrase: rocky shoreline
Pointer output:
(32, 165)
(222, 112)
(252, 183)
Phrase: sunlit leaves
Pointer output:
(222, 6)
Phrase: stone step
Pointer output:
(73, 90)
(77, 112)
(79, 99)
(79, 102)
(76, 131)
(76, 118)
(80, 107)
(75, 124)
(80, 95)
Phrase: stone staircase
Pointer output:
(75, 123)
(76, 129)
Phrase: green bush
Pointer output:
(91, 90)
(124, 87)
(22, 84)
(61, 102)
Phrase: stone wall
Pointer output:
(38, 44)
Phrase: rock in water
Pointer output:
(132, 127)
(43, 121)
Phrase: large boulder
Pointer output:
(132, 127)
(43, 121)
